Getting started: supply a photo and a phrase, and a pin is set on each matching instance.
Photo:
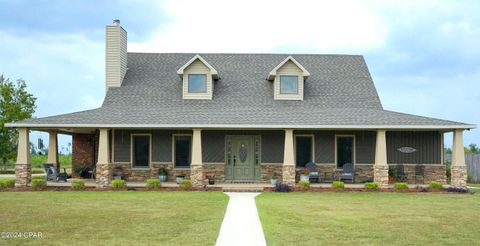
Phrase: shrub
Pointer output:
(458, 189)
(434, 185)
(338, 185)
(162, 171)
(274, 175)
(280, 187)
(371, 186)
(38, 177)
(118, 184)
(400, 186)
(186, 184)
(304, 184)
(39, 184)
(7, 183)
(78, 185)
(152, 184)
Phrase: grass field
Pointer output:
(114, 218)
(370, 218)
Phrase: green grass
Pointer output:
(473, 185)
(39, 160)
(369, 218)
(114, 218)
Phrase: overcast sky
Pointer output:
(423, 55)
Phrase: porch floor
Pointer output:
(134, 184)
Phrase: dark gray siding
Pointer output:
(161, 144)
(427, 143)
(325, 145)
(213, 146)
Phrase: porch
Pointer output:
(252, 155)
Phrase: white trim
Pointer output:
(173, 150)
(132, 135)
(197, 56)
(246, 126)
(312, 136)
(354, 157)
(273, 73)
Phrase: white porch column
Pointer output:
(23, 167)
(288, 168)
(458, 168)
(53, 149)
(380, 169)
(196, 167)
(103, 163)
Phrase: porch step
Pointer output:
(242, 189)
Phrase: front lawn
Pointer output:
(113, 218)
(369, 218)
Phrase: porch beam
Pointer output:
(23, 166)
(103, 160)
(380, 169)
(53, 149)
(288, 168)
(196, 167)
(458, 168)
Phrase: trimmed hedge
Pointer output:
(304, 184)
(39, 184)
(7, 183)
(371, 186)
(186, 184)
(434, 185)
(338, 185)
(152, 184)
(78, 185)
(400, 186)
(118, 184)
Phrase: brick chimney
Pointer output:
(115, 54)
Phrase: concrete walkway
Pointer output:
(241, 224)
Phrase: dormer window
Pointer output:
(288, 78)
(288, 84)
(197, 79)
(197, 83)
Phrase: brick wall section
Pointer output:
(82, 151)
(268, 170)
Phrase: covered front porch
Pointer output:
(254, 156)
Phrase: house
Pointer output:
(243, 117)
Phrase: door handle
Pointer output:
(234, 160)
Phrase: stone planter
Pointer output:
(162, 178)
(305, 177)
(273, 181)
(179, 179)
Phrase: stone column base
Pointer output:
(380, 174)
(459, 176)
(196, 175)
(288, 175)
(23, 175)
(102, 175)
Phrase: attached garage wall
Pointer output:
(428, 145)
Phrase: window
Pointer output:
(288, 84)
(197, 83)
(304, 150)
(141, 151)
(182, 145)
(344, 151)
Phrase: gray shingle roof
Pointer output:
(339, 92)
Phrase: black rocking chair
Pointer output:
(314, 174)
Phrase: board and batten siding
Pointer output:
(428, 145)
(115, 55)
(197, 67)
(289, 68)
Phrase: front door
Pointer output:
(242, 158)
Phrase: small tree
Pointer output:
(15, 104)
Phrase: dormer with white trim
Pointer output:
(197, 79)
(288, 79)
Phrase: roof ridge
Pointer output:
(226, 53)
